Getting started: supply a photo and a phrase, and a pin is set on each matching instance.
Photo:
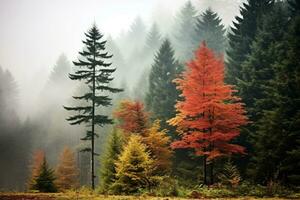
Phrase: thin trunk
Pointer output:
(204, 171)
(93, 128)
(212, 172)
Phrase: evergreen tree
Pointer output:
(280, 123)
(153, 40)
(108, 170)
(242, 35)
(134, 167)
(97, 75)
(209, 28)
(136, 38)
(184, 31)
(44, 182)
(67, 172)
(162, 94)
(61, 68)
(257, 72)
(117, 59)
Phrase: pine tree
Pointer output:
(230, 175)
(162, 94)
(96, 73)
(209, 28)
(153, 40)
(209, 117)
(108, 170)
(61, 68)
(118, 58)
(136, 38)
(132, 117)
(44, 182)
(134, 167)
(184, 31)
(158, 143)
(67, 171)
(257, 72)
(280, 124)
(242, 35)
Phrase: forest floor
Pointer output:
(66, 196)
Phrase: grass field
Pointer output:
(77, 196)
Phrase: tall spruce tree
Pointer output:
(184, 31)
(209, 28)
(256, 75)
(280, 123)
(162, 94)
(242, 35)
(96, 73)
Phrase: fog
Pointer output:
(34, 33)
(40, 38)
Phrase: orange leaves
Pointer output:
(38, 158)
(132, 116)
(67, 172)
(209, 116)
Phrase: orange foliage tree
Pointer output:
(209, 116)
(67, 171)
(35, 167)
(132, 117)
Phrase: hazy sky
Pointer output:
(33, 33)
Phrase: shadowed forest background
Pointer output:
(251, 52)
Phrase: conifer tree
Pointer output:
(153, 40)
(67, 171)
(96, 72)
(134, 167)
(158, 143)
(257, 73)
(184, 31)
(209, 117)
(44, 182)
(162, 94)
(209, 28)
(242, 35)
(108, 170)
(280, 123)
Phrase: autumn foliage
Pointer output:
(37, 161)
(132, 117)
(209, 116)
(158, 143)
(67, 172)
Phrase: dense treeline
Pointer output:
(213, 106)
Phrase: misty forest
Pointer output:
(185, 99)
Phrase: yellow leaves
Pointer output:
(158, 142)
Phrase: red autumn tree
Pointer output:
(132, 117)
(209, 116)
(37, 161)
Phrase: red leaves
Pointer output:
(209, 117)
(132, 116)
